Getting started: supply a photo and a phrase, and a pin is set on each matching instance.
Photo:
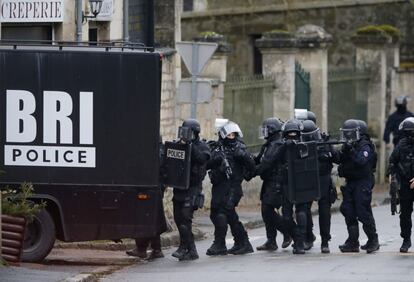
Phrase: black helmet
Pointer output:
(407, 124)
(401, 101)
(270, 127)
(292, 128)
(312, 116)
(350, 130)
(363, 128)
(310, 131)
(189, 130)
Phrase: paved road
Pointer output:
(386, 265)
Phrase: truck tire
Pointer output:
(39, 237)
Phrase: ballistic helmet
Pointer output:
(363, 128)
(230, 127)
(350, 130)
(401, 101)
(407, 124)
(292, 128)
(310, 131)
(189, 130)
(312, 116)
(270, 127)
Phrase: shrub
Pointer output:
(16, 202)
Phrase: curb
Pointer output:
(93, 276)
(167, 240)
(173, 238)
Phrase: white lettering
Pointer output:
(57, 107)
(20, 123)
(31, 11)
(175, 154)
(50, 156)
(86, 117)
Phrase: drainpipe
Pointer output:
(79, 21)
(126, 21)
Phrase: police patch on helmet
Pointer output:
(366, 154)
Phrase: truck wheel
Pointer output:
(39, 237)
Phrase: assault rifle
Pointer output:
(394, 193)
(218, 147)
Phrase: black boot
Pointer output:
(364, 247)
(245, 248)
(372, 243)
(217, 249)
(269, 245)
(405, 245)
(287, 240)
(298, 248)
(180, 252)
(191, 253)
(308, 244)
(351, 244)
(155, 254)
(141, 253)
(185, 235)
(325, 247)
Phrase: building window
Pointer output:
(26, 32)
(257, 56)
(188, 5)
(93, 36)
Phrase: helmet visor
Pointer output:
(301, 114)
(228, 128)
(219, 123)
(263, 132)
(185, 134)
(350, 135)
(311, 136)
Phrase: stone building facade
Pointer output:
(56, 20)
(241, 22)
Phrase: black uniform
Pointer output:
(393, 122)
(402, 165)
(357, 165)
(184, 201)
(271, 194)
(326, 156)
(296, 230)
(227, 192)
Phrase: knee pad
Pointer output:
(221, 219)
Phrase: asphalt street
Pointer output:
(386, 265)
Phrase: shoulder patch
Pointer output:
(366, 154)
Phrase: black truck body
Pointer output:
(82, 125)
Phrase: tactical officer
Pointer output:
(402, 165)
(230, 163)
(186, 201)
(357, 165)
(303, 115)
(142, 244)
(271, 194)
(291, 131)
(395, 119)
(326, 156)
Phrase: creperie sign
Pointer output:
(22, 11)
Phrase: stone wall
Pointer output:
(337, 18)
(405, 85)
(168, 125)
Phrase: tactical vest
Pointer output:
(353, 171)
(406, 156)
(325, 163)
(273, 174)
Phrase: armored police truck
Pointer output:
(81, 123)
